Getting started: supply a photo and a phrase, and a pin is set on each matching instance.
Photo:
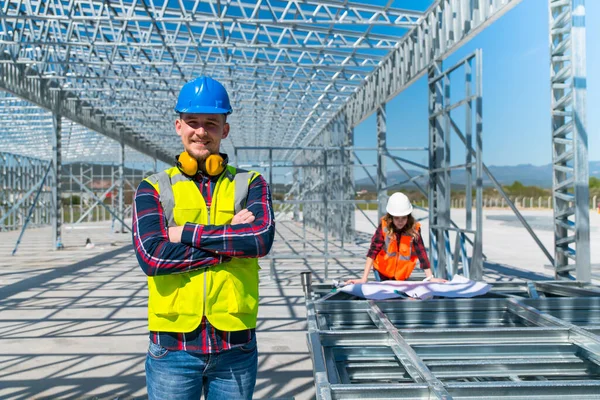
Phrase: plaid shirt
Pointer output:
(378, 242)
(201, 246)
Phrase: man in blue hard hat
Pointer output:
(198, 231)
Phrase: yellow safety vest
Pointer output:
(226, 293)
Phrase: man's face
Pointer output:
(201, 134)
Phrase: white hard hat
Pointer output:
(399, 205)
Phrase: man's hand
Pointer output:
(175, 234)
(243, 217)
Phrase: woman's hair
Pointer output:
(408, 229)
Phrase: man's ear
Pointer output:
(178, 126)
(225, 130)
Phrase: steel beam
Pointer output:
(14, 79)
(444, 28)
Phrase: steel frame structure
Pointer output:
(27, 198)
(441, 127)
(322, 181)
(518, 342)
(309, 71)
(21, 177)
(121, 64)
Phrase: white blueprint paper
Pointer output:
(459, 286)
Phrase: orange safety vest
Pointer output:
(396, 263)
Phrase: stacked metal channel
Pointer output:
(523, 340)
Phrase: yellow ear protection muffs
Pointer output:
(214, 164)
(187, 164)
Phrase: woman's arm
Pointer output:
(377, 242)
(419, 247)
(430, 278)
(365, 277)
(424, 260)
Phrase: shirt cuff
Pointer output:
(191, 234)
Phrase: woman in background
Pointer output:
(397, 245)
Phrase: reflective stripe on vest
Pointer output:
(227, 293)
(241, 180)
(167, 199)
(394, 254)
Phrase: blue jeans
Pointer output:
(379, 277)
(179, 375)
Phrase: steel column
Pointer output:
(122, 184)
(348, 191)
(382, 196)
(570, 183)
(476, 272)
(439, 190)
(57, 212)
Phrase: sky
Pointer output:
(516, 94)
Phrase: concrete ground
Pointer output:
(73, 322)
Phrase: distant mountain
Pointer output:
(527, 174)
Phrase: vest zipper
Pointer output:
(204, 273)
(213, 202)
(209, 222)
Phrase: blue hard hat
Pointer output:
(203, 95)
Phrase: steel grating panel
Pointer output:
(514, 347)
